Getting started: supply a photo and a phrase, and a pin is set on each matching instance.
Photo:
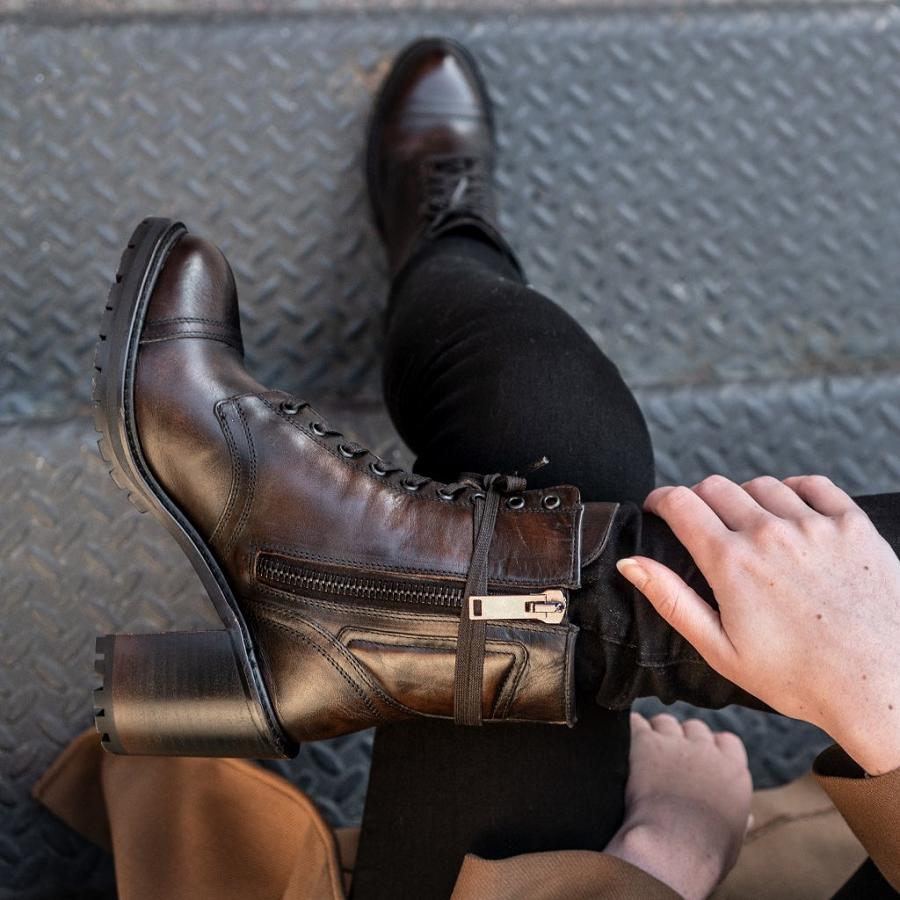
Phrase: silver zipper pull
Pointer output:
(548, 607)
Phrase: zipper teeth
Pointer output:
(300, 578)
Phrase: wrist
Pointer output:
(872, 738)
(687, 868)
(872, 756)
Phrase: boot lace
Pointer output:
(411, 481)
(454, 182)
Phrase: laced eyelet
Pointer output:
(317, 428)
(290, 408)
(516, 502)
(410, 485)
(346, 452)
(551, 501)
(376, 469)
(478, 495)
(445, 495)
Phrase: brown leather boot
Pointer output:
(352, 593)
(430, 154)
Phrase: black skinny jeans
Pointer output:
(483, 374)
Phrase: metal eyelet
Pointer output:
(445, 495)
(476, 496)
(317, 428)
(410, 485)
(516, 502)
(551, 501)
(346, 452)
(377, 470)
(289, 407)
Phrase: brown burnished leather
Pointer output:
(431, 150)
(343, 574)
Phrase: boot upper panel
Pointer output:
(310, 503)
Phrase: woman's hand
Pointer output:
(687, 803)
(809, 602)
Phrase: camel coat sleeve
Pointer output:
(558, 875)
(228, 829)
(870, 805)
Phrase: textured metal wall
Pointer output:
(712, 193)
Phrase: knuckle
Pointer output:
(854, 520)
(761, 481)
(730, 741)
(729, 549)
(675, 499)
(712, 482)
(815, 526)
(771, 530)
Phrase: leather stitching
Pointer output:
(345, 654)
(502, 700)
(575, 535)
(236, 470)
(166, 320)
(193, 334)
(296, 633)
(251, 486)
(568, 673)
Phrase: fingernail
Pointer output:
(633, 571)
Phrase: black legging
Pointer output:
(483, 374)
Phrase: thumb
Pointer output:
(680, 605)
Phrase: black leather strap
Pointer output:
(469, 672)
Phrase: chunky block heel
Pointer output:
(176, 694)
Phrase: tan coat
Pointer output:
(223, 828)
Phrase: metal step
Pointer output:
(711, 190)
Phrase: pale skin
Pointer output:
(809, 609)
(687, 803)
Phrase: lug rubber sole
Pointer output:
(179, 693)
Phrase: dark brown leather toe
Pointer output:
(431, 149)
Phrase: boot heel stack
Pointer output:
(177, 694)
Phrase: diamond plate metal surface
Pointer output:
(711, 193)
